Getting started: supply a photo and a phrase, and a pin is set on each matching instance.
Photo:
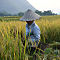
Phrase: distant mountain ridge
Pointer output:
(15, 6)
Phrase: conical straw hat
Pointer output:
(30, 16)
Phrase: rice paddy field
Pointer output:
(13, 32)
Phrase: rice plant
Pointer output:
(13, 34)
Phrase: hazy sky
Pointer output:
(42, 5)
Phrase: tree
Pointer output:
(49, 12)
(38, 12)
(20, 14)
(4, 14)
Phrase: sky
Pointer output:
(15, 6)
(44, 5)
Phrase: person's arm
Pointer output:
(36, 33)
(27, 31)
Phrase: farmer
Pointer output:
(32, 29)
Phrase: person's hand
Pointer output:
(29, 38)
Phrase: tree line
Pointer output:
(45, 13)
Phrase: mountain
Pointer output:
(15, 6)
